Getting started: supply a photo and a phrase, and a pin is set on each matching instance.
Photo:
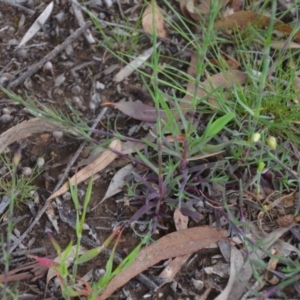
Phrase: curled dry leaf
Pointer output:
(175, 244)
(116, 183)
(153, 21)
(244, 18)
(93, 168)
(272, 264)
(180, 220)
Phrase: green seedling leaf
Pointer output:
(128, 260)
(137, 110)
(90, 254)
(147, 162)
(109, 265)
(214, 128)
(65, 259)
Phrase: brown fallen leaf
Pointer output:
(244, 18)
(196, 12)
(236, 5)
(168, 274)
(175, 244)
(137, 110)
(29, 271)
(180, 220)
(153, 21)
(225, 79)
(96, 166)
(25, 129)
(204, 6)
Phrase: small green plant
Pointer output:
(23, 184)
(61, 265)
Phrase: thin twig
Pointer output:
(7, 66)
(13, 3)
(62, 179)
(33, 69)
(79, 16)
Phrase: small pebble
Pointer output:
(198, 284)
(26, 171)
(57, 135)
(6, 118)
(40, 162)
(48, 67)
(60, 17)
(100, 85)
(75, 90)
(67, 196)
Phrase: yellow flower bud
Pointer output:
(255, 137)
(271, 142)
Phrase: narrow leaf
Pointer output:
(96, 166)
(217, 126)
(172, 245)
(37, 25)
(137, 110)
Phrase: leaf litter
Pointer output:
(240, 271)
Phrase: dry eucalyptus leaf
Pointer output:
(153, 21)
(175, 244)
(25, 129)
(133, 65)
(117, 183)
(37, 25)
(196, 12)
(137, 110)
(244, 18)
(225, 79)
(93, 168)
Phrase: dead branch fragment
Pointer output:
(33, 69)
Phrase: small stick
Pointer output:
(47, 203)
(13, 3)
(33, 69)
(79, 16)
